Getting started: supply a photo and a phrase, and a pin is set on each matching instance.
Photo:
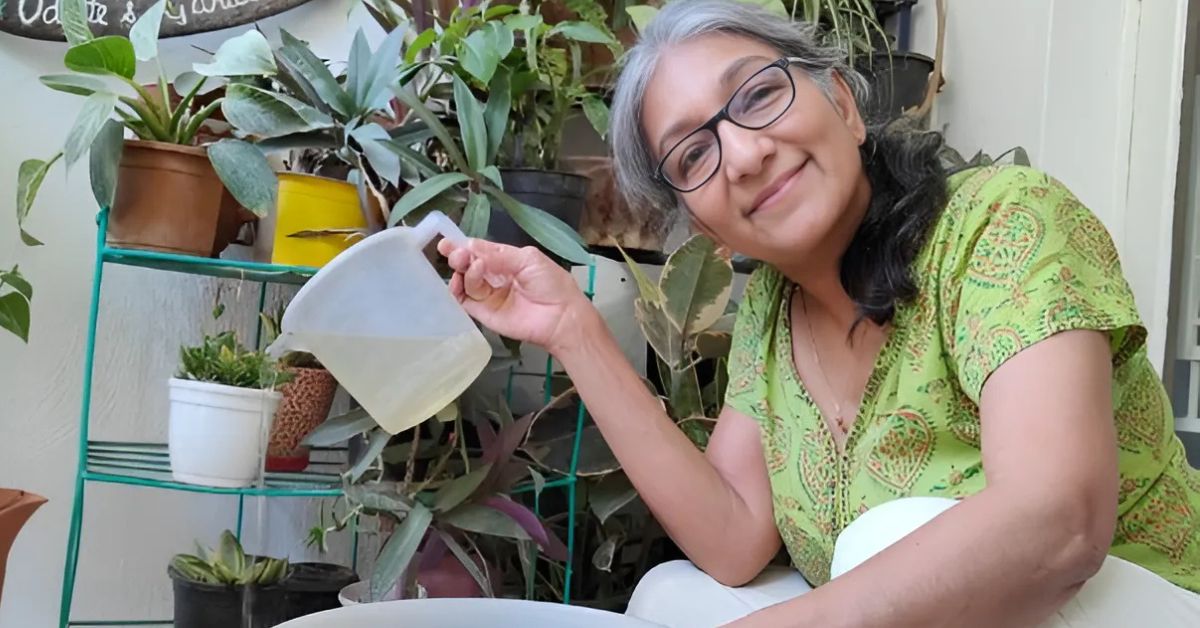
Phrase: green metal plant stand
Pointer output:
(139, 464)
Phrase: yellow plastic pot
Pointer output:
(310, 203)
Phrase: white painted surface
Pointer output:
(1092, 90)
(129, 533)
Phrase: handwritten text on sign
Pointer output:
(38, 19)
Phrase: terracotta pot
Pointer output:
(15, 509)
(306, 402)
(229, 223)
(168, 199)
(607, 220)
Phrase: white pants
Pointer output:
(1120, 595)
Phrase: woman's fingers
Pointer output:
(475, 285)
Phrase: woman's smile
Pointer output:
(779, 190)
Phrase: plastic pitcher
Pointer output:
(386, 326)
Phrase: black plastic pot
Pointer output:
(199, 605)
(897, 83)
(561, 194)
(313, 587)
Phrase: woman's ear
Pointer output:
(847, 108)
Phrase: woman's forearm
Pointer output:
(686, 493)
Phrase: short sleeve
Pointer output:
(1031, 261)
(750, 345)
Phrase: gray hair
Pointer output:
(680, 21)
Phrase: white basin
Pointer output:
(465, 613)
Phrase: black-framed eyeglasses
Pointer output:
(757, 103)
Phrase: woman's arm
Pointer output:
(715, 505)
(1014, 553)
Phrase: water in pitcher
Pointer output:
(401, 381)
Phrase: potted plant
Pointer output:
(223, 400)
(163, 192)
(216, 587)
(16, 507)
(443, 510)
(306, 401)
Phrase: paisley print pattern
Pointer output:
(1013, 259)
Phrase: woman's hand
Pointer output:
(518, 293)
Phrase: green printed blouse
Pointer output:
(1013, 259)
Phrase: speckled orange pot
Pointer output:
(306, 402)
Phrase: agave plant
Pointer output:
(229, 565)
(221, 359)
(103, 70)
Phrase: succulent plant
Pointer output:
(228, 564)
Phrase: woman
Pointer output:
(908, 328)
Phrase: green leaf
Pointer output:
(696, 283)
(74, 84)
(479, 56)
(611, 494)
(187, 82)
(97, 110)
(30, 175)
(423, 41)
(476, 216)
(104, 159)
(73, 15)
(458, 490)
(641, 16)
(103, 55)
(471, 125)
(399, 550)
(14, 315)
(582, 31)
(17, 281)
(415, 159)
(385, 162)
(523, 22)
(144, 32)
(424, 193)
(384, 73)
(493, 174)
(301, 60)
(495, 114)
(268, 114)
(539, 482)
(439, 130)
(248, 54)
(245, 172)
(484, 520)
(501, 37)
(470, 565)
(666, 341)
(647, 289)
(375, 444)
(340, 428)
(597, 113)
(549, 231)
(230, 554)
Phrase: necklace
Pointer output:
(838, 418)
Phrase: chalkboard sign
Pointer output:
(38, 19)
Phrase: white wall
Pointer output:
(1092, 90)
(129, 534)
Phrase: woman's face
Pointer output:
(781, 193)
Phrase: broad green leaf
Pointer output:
(399, 550)
(423, 41)
(647, 289)
(696, 283)
(97, 110)
(458, 490)
(230, 554)
(476, 216)
(501, 37)
(424, 193)
(597, 113)
(144, 32)
(357, 68)
(80, 85)
(380, 497)
(248, 54)
(684, 394)
(467, 562)
(662, 336)
(17, 281)
(582, 31)
(484, 520)
(499, 10)
(495, 114)
(375, 443)
(269, 114)
(384, 161)
(30, 175)
(641, 16)
(610, 495)
(302, 61)
(103, 55)
(471, 125)
(713, 344)
(478, 56)
(549, 231)
(340, 429)
(383, 72)
(428, 117)
(73, 15)
(415, 159)
(493, 174)
(245, 172)
(187, 82)
(14, 315)
(104, 159)
(523, 22)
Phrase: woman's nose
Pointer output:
(743, 151)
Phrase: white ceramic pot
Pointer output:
(218, 433)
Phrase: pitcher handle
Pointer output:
(438, 223)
